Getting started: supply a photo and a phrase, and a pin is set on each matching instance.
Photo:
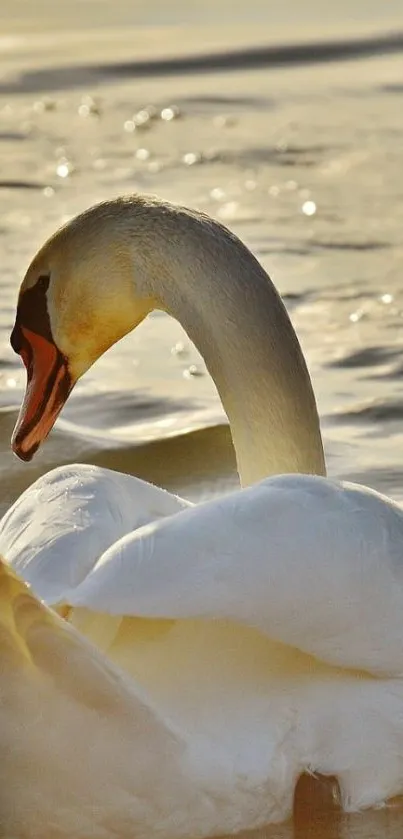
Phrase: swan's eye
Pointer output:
(43, 282)
(30, 305)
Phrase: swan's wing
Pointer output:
(310, 562)
(58, 528)
(34, 638)
(81, 746)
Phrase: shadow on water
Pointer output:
(371, 356)
(121, 408)
(61, 78)
(374, 411)
(196, 464)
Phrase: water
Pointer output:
(299, 155)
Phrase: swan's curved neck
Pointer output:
(208, 280)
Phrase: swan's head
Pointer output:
(78, 298)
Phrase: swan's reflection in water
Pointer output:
(318, 815)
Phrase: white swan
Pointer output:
(93, 282)
(240, 642)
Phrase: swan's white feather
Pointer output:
(58, 528)
(310, 562)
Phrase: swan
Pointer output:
(90, 284)
(169, 669)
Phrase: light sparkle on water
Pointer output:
(309, 208)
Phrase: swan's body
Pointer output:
(232, 676)
(237, 643)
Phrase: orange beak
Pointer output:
(48, 386)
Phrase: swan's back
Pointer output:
(58, 528)
(311, 562)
